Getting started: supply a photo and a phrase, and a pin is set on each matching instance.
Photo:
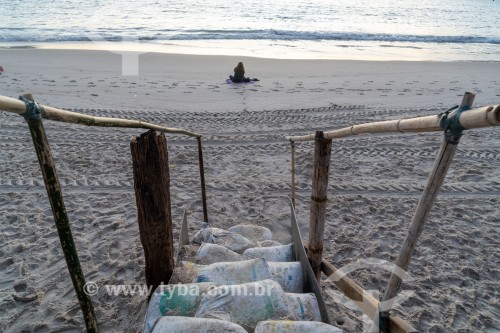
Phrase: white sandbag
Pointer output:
(211, 253)
(305, 306)
(272, 253)
(174, 300)
(275, 326)
(221, 273)
(231, 240)
(288, 274)
(246, 304)
(268, 243)
(195, 325)
(253, 232)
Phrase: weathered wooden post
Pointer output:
(33, 117)
(152, 193)
(202, 180)
(322, 151)
(452, 132)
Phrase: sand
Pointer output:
(375, 181)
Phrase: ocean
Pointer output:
(440, 30)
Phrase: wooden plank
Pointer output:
(183, 236)
(368, 304)
(322, 151)
(152, 192)
(310, 282)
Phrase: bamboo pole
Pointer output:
(480, 117)
(15, 106)
(293, 173)
(322, 151)
(364, 301)
(152, 192)
(436, 179)
(202, 180)
(61, 219)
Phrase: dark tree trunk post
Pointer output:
(202, 180)
(293, 173)
(322, 151)
(152, 193)
(61, 219)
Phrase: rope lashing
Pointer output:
(449, 121)
(34, 111)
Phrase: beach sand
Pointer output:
(375, 181)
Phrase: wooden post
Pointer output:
(202, 179)
(152, 193)
(293, 174)
(34, 119)
(322, 151)
(436, 178)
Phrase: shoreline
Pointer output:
(269, 49)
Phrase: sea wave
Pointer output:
(27, 35)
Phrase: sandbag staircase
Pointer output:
(235, 280)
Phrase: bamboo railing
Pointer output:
(481, 117)
(34, 113)
(452, 123)
(16, 106)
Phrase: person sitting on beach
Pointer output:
(239, 74)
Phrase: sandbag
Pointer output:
(246, 304)
(231, 240)
(288, 274)
(211, 253)
(254, 233)
(274, 326)
(195, 325)
(221, 273)
(305, 306)
(272, 253)
(174, 300)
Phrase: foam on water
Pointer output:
(470, 26)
